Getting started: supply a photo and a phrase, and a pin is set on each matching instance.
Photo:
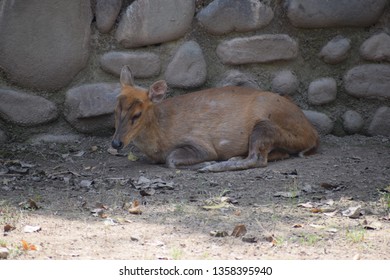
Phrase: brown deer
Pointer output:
(196, 129)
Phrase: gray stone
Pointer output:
(224, 16)
(142, 64)
(148, 22)
(334, 13)
(3, 136)
(188, 67)
(320, 121)
(376, 48)
(89, 108)
(237, 78)
(106, 14)
(44, 43)
(352, 122)
(380, 124)
(336, 50)
(369, 81)
(257, 49)
(285, 83)
(322, 91)
(26, 109)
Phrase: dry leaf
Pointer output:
(86, 183)
(306, 205)
(250, 239)
(135, 208)
(218, 233)
(297, 226)
(149, 192)
(29, 204)
(374, 225)
(292, 194)
(353, 212)
(132, 157)
(316, 210)
(28, 247)
(79, 154)
(94, 148)
(216, 206)
(216, 203)
(331, 214)
(8, 228)
(328, 186)
(239, 230)
(145, 183)
(332, 230)
(98, 212)
(112, 151)
(101, 205)
(271, 239)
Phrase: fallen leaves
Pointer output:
(135, 208)
(157, 183)
(132, 157)
(29, 204)
(353, 212)
(239, 230)
(28, 247)
(14, 168)
(219, 233)
(220, 202)
(288, 194)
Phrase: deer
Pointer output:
(212, 130)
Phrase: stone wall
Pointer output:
(60, 60)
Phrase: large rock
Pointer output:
(148, 22)
(320, 121)
(188, 67)
(334, 13)
(106, 14)
(322, 91)
(336, 50)
(26, 109)
(380, 124)
(142, 64)
(285, 83)
(376, 48)
(257, 49)
(370, 81)
(352, 122)
(89, 108)
(44, 43)
(224, 16)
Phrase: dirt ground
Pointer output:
(77, 201)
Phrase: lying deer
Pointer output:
(196, 129)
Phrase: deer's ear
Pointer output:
(126, 76)
(157, 91)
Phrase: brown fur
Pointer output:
(211, 125)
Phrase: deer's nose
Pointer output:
(116, 144)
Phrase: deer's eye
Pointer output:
(135, 117)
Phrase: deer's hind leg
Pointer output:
(261, 143)
(190, 156)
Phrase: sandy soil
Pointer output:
(82, 202)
